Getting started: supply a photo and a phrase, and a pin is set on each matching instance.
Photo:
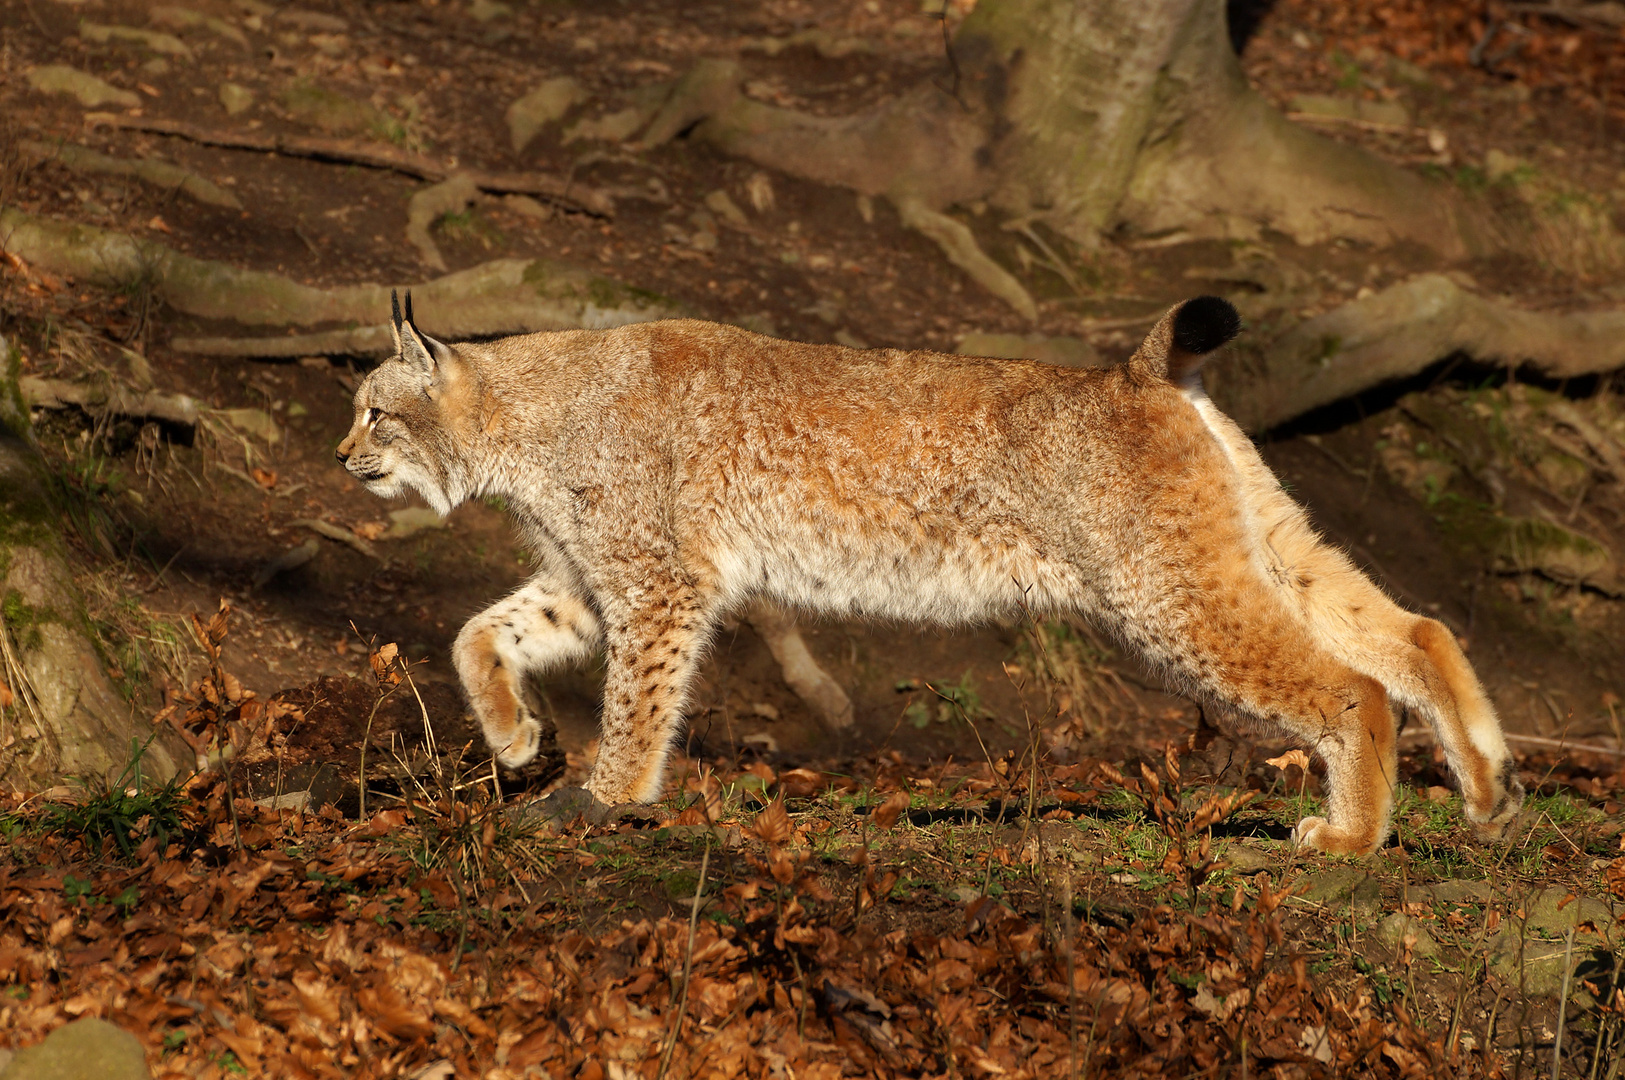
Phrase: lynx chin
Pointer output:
(667, 473)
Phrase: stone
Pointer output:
(184, 18)
(1061, 351)
(1393, 930)
(1529, 951)
(1450, 892)
(1529, 543)
(542, 106)
(613, 127)
(88, 1049)
(1340, 886)
(332, 112)
(1499, 165)
(1244, 859)
(236, 99)
(91, 91)
(1546, 913)
(256, 423)
(411, 521)
(723, 206)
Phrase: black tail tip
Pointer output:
(1204, 324)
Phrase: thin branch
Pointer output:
(688, 964)
(369, 155)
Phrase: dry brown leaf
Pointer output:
(887, 813)
(801, 783)
(773, 823)
(1291, 757)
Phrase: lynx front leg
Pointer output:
(653, 646)
(536, 628)
(1358, 746)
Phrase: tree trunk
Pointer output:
(1090, 116)
(60, 717)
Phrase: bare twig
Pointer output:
(1563, 1004)
(369, 155)
(688, 964)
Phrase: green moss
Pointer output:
(13, 409)
(24, 620)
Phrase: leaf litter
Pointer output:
(444, 935)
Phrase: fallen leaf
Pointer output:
(1291, 757)
(157, 222)
(773, 823)
(887, 813)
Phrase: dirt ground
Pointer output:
(169, 522)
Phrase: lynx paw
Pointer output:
(522, 748)
(1491, 826)
(1318, 834)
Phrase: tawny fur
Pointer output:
(667, 473)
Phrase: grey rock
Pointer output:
(1343, 885)
(1450, 892)
(1245, 859)
(411, 521)
(1392, 931)
(1544, 915)
(1533, 964)
(236, 99)
(88, 1049)
(1528, 952)
(542, 106)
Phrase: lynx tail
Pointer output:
(1174, 349)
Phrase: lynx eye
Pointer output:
(372, 416)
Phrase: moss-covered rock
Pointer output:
(65, 718)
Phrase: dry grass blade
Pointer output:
(688, 965)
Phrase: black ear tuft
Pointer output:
(1204, 324)
(409, 319)
(395, 307)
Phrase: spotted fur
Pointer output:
(667, 473)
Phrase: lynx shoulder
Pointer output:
(667, 473)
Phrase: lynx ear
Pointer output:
(415, 347)
(395, 317)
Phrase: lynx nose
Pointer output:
(342, 454)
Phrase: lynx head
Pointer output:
(402, 435)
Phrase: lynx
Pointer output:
(666, 473)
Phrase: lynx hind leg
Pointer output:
(652, 653)
(536, 628)
(1467, 728)
(1241, 646)
(1420, 664)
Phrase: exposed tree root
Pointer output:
(429, 205)
(177, 409)
(371, 155)
(497, 297)
(161, 174)
(957, 242)
(1397, 333)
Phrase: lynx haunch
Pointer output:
(667, 473)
